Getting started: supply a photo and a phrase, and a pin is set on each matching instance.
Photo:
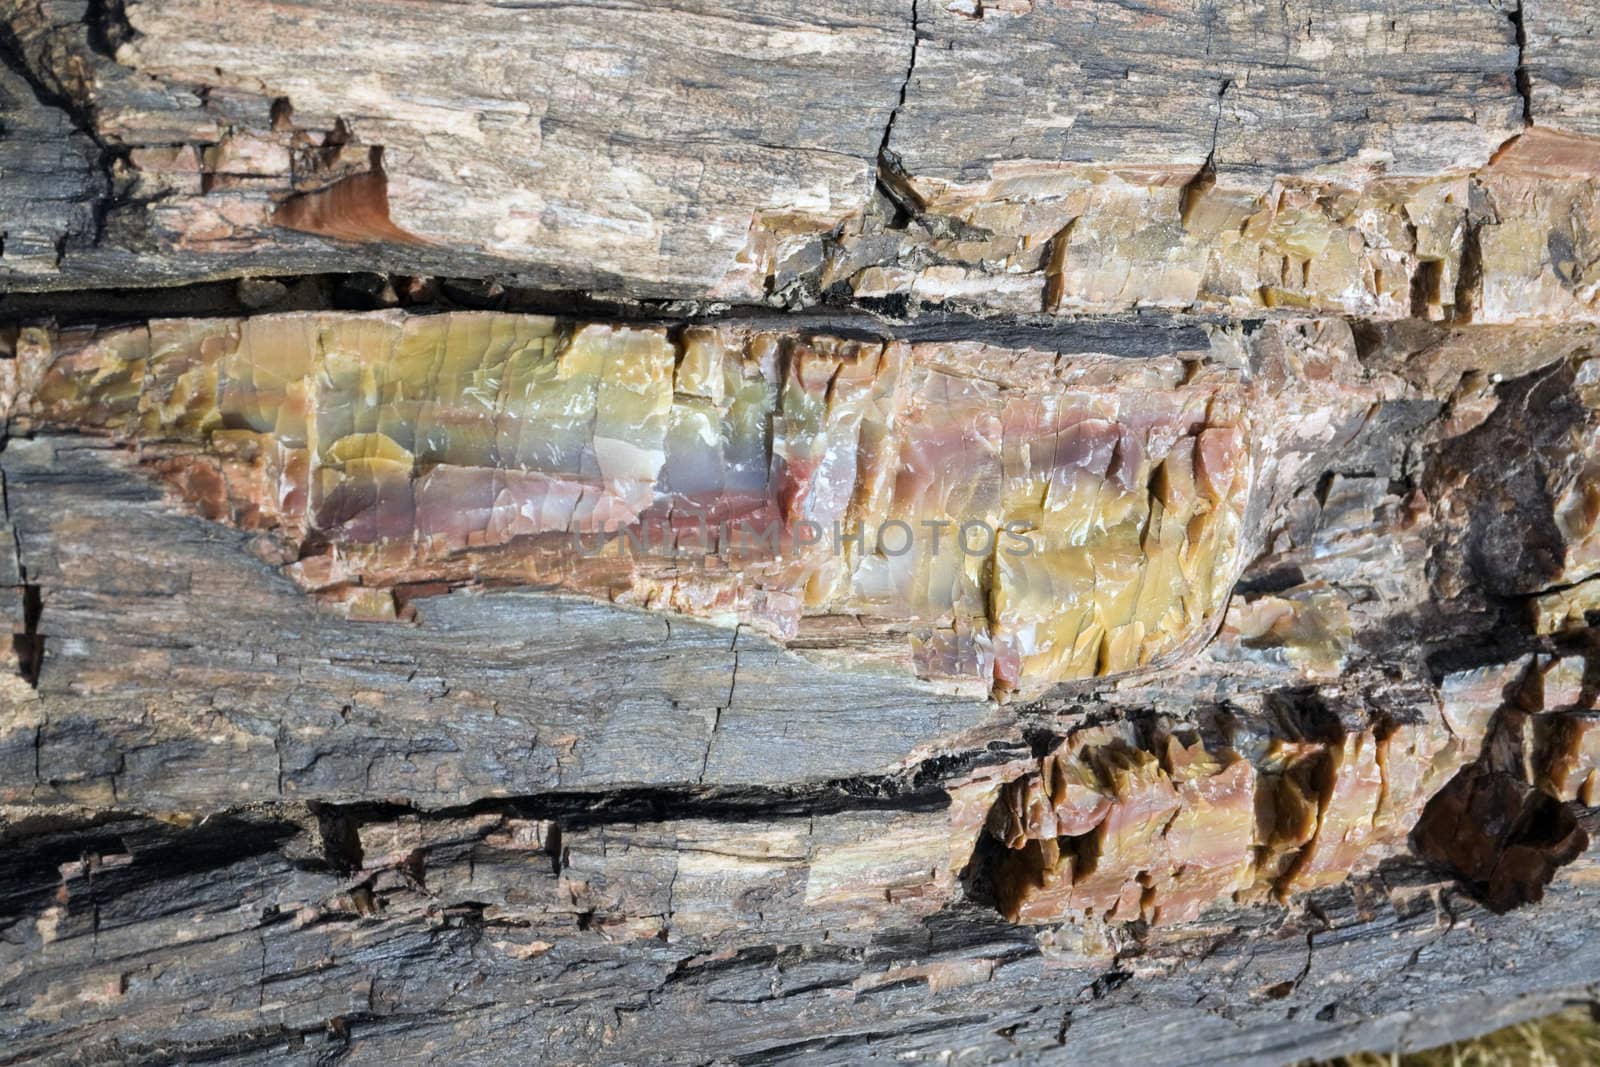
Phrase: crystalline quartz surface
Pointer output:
(1023, 518)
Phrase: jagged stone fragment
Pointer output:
(1521, 490)
(1106, 828)
(1116, 826)
(1499, 234)
(1556, 683)
(1472, 697)
(1307, 628)
(1501, 833)
(1565, 610)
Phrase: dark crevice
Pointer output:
(1427, 287)
(108, 26)
(1139, 334)
(33, 871)
(905, 83)
(892, 179)
(1206, 178)
(28, 646)
(1197, 187)
(27, 643)
(341, 839)
(910, 792)
(1523, 80)
(1469, 279)
(338, 825)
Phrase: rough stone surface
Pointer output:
(1276, 323)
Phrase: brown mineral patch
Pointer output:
(352, 209)
(1545, 153)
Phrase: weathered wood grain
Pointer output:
(1262, 90)
(181, 673)
(53, 180)
(1560, 63)
(729, 153)
(589, 146)
(262, 939)
(237, 826)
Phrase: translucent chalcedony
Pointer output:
(1023, 517)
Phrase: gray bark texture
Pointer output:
(442, 806)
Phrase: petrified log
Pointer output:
(742, 533)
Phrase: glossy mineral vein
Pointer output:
(1021, 517)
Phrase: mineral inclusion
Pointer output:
(1021, 517)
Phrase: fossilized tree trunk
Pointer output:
(451, 460)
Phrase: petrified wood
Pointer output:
(1025, 517)
(955, 530)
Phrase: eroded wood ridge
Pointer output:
(1169, 162)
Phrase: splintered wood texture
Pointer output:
(1021, 517)
(1343, 157)
(1229, 81)
(590, 144)
(251, 941)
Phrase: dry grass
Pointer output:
(1568, 1038)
